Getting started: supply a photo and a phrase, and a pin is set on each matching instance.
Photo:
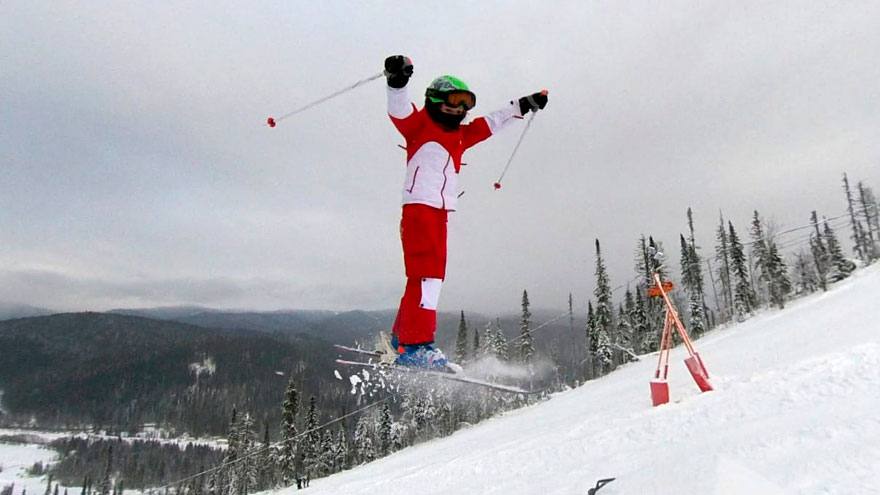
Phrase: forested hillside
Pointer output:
(118, 372)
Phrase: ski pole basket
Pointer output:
(671, 323)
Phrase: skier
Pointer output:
(435, 140)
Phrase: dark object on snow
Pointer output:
(599, 484)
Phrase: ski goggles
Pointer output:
(459, 98)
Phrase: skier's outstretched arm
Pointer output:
(398, 69)
(483, 127)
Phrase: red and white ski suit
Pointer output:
(430, 190)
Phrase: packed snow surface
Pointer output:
(16, 459)
(796, 410)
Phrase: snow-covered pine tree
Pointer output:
(779, 281)
(623, 336)
(696, 273)
(649, 260)
(384, 430)
(570, 366)
(841, 267)
(722, 256)
(869, 213)
(398, 436)
(340, 451)
(744, 298)
(233, 452)
(604, 316)
(364, 446)
(629, 304)
(655, 258)
(858, 236)
(461, 341)
(873, 206)
(592, 341)
(691, 278)
(805, 279)
(312, 444)
(218, 483)
(266, 462)
(771, 267)
(644, 263)
(289, 448)
(498, 342)
(644, 339)
(760, 253)
(819, 251)
(107, 480)
(247, 470)
(422, 416)
(324, 459)
(198, 484)
(446, 421)
(488, 340)
(525, 345)
(604, 353)
(477, 350)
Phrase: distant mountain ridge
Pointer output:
(344, 327)
(9, 311)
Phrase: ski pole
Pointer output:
(272, 121)
(516, 148)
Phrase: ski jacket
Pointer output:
(433, 154)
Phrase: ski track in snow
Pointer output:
(796, 410)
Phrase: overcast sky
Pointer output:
(136, 169)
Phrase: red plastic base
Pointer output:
(659, 392)
(698, 371)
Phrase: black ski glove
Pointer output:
(398, 69)
(533, 102)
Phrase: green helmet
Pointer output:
(443, 87)
(445, 84)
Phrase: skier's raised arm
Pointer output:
(398, 69)
(482, 127)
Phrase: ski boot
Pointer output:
(424, 356)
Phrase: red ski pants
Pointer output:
(423, 235)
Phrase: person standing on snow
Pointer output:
(435, 140)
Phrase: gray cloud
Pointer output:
(64, 292)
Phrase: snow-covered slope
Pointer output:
(796, 410)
